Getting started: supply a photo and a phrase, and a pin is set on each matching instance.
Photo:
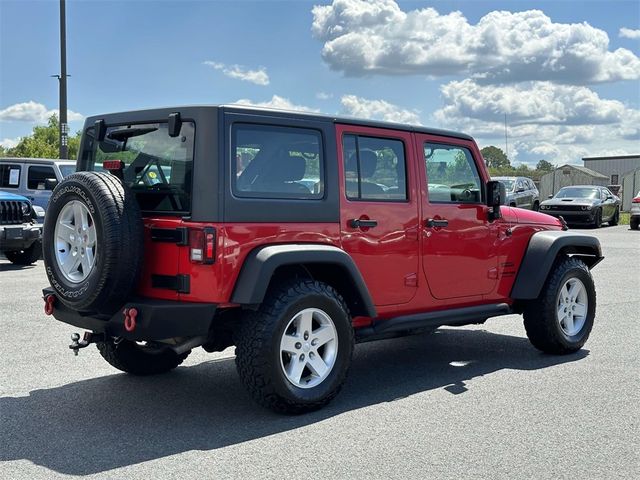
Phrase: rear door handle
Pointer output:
(360, 223)
(432, 223)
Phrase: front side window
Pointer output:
(452, 175)
(375, 168)
(37, 177)
(158, 167)
(269, 161)
(9, 176)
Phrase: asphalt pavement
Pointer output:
(472, 402)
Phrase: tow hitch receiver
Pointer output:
(87, 339)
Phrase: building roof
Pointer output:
(613, 157)
(585, 170)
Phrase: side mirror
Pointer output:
(550, 196)
(609, 197)
(50, 183)
(496, 196)
(520, 190)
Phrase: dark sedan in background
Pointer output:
(584, 204)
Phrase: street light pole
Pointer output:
(64, 128)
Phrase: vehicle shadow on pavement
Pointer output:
(10, 267)
(104, 423)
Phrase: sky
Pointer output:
(566, 74)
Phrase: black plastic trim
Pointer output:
(156, 319)
(453, 317)
(179, 236)
(541, 253)
(179, 283)
(261, 263)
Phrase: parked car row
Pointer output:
(521, 192)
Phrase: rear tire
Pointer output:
(27, 256)
(136, 359)
(288, 379)
(615, 219)
(553, 321)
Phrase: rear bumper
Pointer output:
(156, 319)
(18, 237)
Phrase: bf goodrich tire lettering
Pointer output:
(115, 218)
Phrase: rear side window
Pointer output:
(158, 167)
(374, 168)
(9, 176)
(37, 176)
(452, 175)
(269, 161)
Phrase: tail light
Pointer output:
(636, 200)
(202, 245)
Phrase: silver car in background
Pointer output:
(34, 178)
(521, 192)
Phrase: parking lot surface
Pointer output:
(471, 402)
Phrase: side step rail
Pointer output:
(454, 317)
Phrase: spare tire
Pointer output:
(93, 242)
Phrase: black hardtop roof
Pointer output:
(309, 116)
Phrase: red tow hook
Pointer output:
(130, 315)
(49, 302)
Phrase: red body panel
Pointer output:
(386, 255)
(408, 268)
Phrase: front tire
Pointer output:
(27, 256)
(634, 223)
(293, 354)
(597, 221)
(536, 206)
(560, 320)
(137, 359)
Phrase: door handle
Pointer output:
(360, 223)
(433, 223)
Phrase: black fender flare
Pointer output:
(262, 262)
(542, 251)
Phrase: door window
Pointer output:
(375, 168)
(9, 176)
(452, 175)
(37, 176)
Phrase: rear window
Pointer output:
(67, 170)
(158, 168)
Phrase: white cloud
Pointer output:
(258, 77)
(9, 142)
(629, 33)
(277, 102)
(378, 109)
(529, 102)
(377, 37)
(324, 95)
(560, 123)
(33, 112)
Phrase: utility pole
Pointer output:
(506, 141)
(64, 128)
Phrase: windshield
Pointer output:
(508, 184)
(67, 170)
(158, 167)
(578, 192)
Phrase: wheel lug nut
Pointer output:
(311, 354)
(298, 345)
(302, 357)
(314, 342)
(306, 335)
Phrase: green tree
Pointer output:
(494, 157)
(44, 142)
(545, 166)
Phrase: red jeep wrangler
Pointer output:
(292, 236)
